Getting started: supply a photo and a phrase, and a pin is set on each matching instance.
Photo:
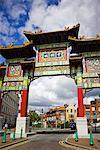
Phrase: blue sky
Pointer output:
(48, 15)
(13, 16)
(17, 16)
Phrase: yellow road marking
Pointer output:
(16, 145)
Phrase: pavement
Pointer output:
(82, 143)
(69, 142)
(9, 141)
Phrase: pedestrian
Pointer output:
(6, 126)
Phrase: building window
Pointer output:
(71, 110)
(2, 108)
(67, 110)
(71, 116)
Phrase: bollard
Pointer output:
(91, 137)
(21, 133)
(4, 137)
(13, 137)
(8, 130)
(76, 136)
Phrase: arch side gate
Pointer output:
(16, 76)
(89, 78)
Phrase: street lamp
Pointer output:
(42, 117)
(65, 113)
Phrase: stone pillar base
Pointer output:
(22, 123)
(82, 127)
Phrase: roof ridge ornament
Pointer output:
(82, 37)
(71, 37)
(66, 28)
(1, 46)
(11, 45)
(97, 36)
(26, 43)
(29, 32)
(38, 32)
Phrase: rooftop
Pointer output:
(83, 44)
(40, 37)
(23, 51)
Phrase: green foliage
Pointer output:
(34, 117)
(67, 124)
(62, 126)
(58, 126)
(38, 125)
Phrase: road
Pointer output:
(42, 142)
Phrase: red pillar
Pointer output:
(24, 103)
(80, 102)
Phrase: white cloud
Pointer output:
(17, 10)
(91, 95)
(88, 100)
(4, 24)
(66, 13)
(52, 91)
(13, 11)
(6, 29)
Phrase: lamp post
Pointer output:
(65, 113)
(42, 117)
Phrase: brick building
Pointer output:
(92, 111)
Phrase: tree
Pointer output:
(34, 117)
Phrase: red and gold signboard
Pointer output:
(15, 85)
(93, 65)
(53, 70)
(14, 79)
(14, 71)
(91, 82)
(52, 56)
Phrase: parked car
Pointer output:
(72, 125)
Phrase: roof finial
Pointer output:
(39, 31)
(97, 36)
(66, 28)
(11, 45)
(82, 37)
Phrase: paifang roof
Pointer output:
(52, 37)
(24, 51)
(85, 45)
